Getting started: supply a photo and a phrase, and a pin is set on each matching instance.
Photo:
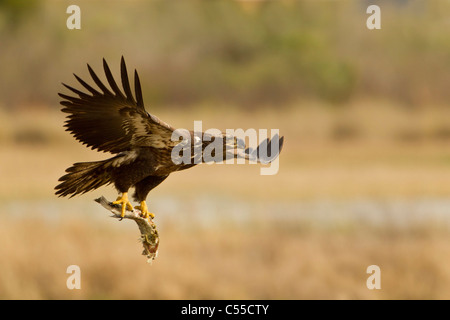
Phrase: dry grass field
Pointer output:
(365, 185)
(364, 176)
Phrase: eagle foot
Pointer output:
(126, 204)
(149, 234)
(144, 210)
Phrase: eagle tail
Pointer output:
(82, 177)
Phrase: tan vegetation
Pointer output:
(364, 173)
(224, 263)
(257, 259)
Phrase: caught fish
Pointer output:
(149, 234)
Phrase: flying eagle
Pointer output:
(115, 121)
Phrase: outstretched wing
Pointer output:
(111, 120)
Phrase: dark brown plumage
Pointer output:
(109, 120)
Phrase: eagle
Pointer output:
(114, 120)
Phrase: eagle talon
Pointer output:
(144, 210)
(123, 200)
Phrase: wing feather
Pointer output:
(78, 92)
(125, 82)
(138, 92)
(88, 87)
(98, 82)
(111, 80)
(111, 120)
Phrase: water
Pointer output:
(209, 211)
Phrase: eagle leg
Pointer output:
(123, 200)
(144, 210)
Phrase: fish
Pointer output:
(149, 234)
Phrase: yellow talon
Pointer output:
(123, 200)
(144, 210)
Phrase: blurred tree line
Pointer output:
(246, 53)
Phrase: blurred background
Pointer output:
(364, 175)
